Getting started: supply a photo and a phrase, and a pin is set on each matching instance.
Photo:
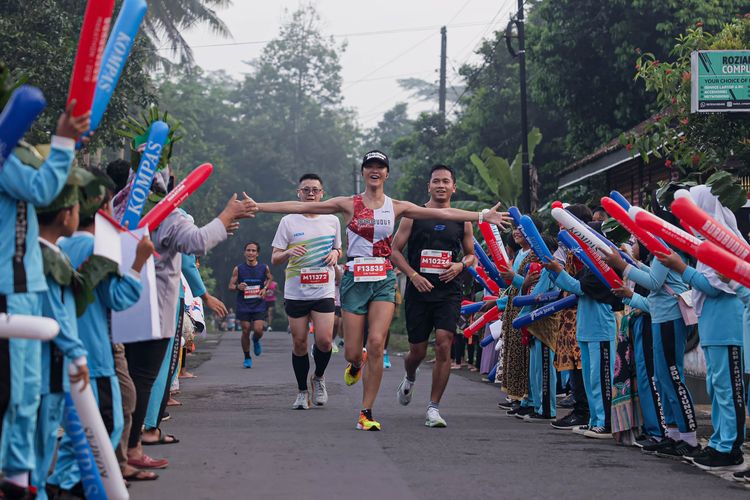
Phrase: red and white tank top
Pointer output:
(369, 232)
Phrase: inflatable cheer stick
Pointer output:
(620, 200)
(116, 55)
(495, 244)
(532, 300)
(725, 263)
(93, 487)
(544, 311)
(711, 229)
(610, 276)
(480, 322)
(567, 240)
(23, 107)
(98, 439)
(488, 265)
(144, 176)
(515, 214)
(176, 197)
(531, 233)
(620, 214)
(19, 326)
(492, 337)
(490, 282)
(584, 233)
(472, 270)
(666, 231)
(493, 373)
(472, 307)
(88, 60)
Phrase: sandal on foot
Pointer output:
(163, 439)
(141, 475)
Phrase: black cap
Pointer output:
(376, 156)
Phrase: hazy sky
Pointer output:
(372, 62)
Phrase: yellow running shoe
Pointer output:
(367, 424)
(353, 379)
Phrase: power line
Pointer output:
(343, 35)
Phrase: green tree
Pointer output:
(40, 38)
(702, 146)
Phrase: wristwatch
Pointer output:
(481, 215)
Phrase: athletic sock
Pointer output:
(367, 412)
(673, 433)
(301, 365)
(690, 438)
(433, 405)
(321, 361)
(247, 354)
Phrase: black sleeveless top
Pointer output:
(434, 234)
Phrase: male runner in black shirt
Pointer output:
(433, 294)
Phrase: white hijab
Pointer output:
(710, 204)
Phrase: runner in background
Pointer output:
(249, 280)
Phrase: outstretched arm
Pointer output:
(408, 209)
(338, 205)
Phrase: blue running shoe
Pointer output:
(248, 363)
(386, 360)
(257, 348)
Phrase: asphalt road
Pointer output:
(240, 439)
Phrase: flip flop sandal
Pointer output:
(163, 439)
(142, 475)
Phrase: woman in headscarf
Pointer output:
(720, 314)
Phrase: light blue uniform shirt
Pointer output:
(544, 285)
(744, 294)
(664, 306)
(114, 293)
(720, 322)
(595, 322)
(21, 188)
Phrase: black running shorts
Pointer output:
(252, 316)
(301, 308)
(422, 317)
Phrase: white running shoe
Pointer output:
(580, 429)
(404, 391)
(319, 392)
(302, 402)
(433, 418)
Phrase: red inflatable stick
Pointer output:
(91, 43)
(177, 196)
(494, 287)
(725, 263)
(494, 243)
(620, 215)
(663, 229)
(613, 280)
(491, 315)
(710, 228)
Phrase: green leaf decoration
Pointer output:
(92, 272)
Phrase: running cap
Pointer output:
(376, 156)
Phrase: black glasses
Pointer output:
(311, 190)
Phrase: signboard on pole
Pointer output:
(720, 81)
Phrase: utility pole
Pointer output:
(443, 63)
(356, 178)
(527, 197)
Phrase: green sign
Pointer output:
(720, 81)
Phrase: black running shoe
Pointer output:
(508, 405)
(714, 460)
(567, 402)
(678, 450)
(742, 477)
(653, 448)
(644, 440)
(537, 417)
(521, 411)
(570, 421)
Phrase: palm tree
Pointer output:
(168, 19)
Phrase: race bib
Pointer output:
(252, 292)
(434, 261)
(369, 269)
(314, 277)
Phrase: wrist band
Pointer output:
(481, 215)
(411, 276)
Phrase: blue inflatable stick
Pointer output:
(150, 157)
(115, 56)
(620, 200)
(493, 373)
(515, 214)
(486, 341)
(531, 233)
(532, 300)
(92, 481)
(545, 311)
(19, 113)
(472, 308)
(488, 265)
